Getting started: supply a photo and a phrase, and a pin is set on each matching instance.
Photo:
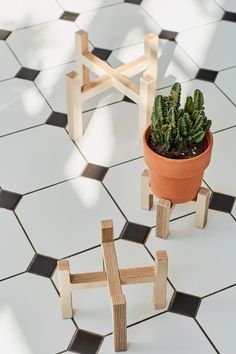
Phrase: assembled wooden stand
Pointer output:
(113, 277)
(80, 88)
(165, 207)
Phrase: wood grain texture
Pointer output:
(163, 218)
(65, 288)
(160, 282)
(146, 193)
(202, 206)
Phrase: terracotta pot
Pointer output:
(176, 180)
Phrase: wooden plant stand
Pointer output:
(165, 207)
(79, 87)
(113, 278)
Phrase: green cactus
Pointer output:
(175, 128)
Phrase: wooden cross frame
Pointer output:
(113, 278)
(165, 207)
(79, 87)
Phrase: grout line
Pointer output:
(13, 276)
(115, 201)
(147, 318)
(41, 94)
(219, 291)
(222, 130)
(124, 162)
(51, 185)
(206, 335)
(10, 48)
(224, 94)
(28, 238)
(232, 216)
(21, 130)
(208, 185)
(182, 216)
(80, 252)
(76, 146)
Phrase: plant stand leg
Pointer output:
(163, 218)
(74, 105)
(65, 288)
(160, 279)
(202, 205)
(146, 193)
(81, 48)
(119, 322)
(147, 96)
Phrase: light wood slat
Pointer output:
(202, 206)
(119, 322)
(81, 47)
(163, 218)
(160, 281)
(74, 102)
(65, 288)
(99, 279)
(146, 193)
(111, 266)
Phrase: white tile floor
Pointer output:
(54, 191)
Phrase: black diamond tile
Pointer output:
(69, 16)
(222, 202)
(4, 34)
(86, 342)
(169, 35)
(9, 200)
(95, 171)
(27, 74)
(57, 119)
(136, 2)
(127, 99)
(101, 53)
(206, 75)
(185, 304)
(135, 232)
(42, 265)
(229, 16)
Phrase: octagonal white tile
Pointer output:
(164, 334)
(128, 196)
(36, 158)
(111, 134)
(132, 21)
(194, 254)
(31, 322)
(13, 259)
(51, 83)
(183, 14)
(211, 46)
(18, 14)
(225, 80)
(139, 302)
(222, 160)
(9, 66)
(170, 62)
(65, 219)
(228, 5)
(21, 106)
(217, 315)
(44, 45)
(80, 6)
(217, 107)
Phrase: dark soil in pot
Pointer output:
(192, 151)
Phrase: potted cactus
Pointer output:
(177, 146)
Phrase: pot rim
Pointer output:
(147, 133)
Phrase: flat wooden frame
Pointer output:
(113, 278)
(79, 87)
